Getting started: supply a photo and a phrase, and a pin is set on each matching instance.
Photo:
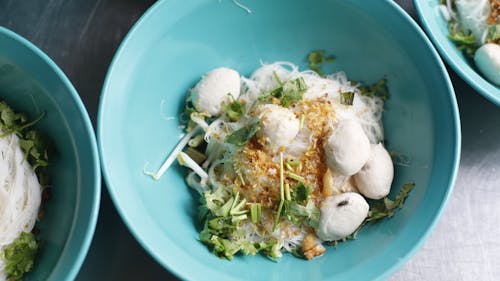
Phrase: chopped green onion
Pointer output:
(278, 214)
(293, 163)
(287, 192)
(282, 178)
(295, 176)
(302, 119)
(347, 98)
(255, 212)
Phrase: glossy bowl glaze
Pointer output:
(32, 83)
(437, 29)
(175, 42)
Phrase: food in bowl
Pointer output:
(474, 26)
(23, 182)
(285, 160)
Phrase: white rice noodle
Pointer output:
(367, 111)
(20, 194)
(472, 15)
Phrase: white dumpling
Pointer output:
(341, 215)
(214, 88)
(375, 178)
(279, 125)
(347, 148)
(487, 59)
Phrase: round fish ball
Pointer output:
(216, 87)
(487, 59)
(375, 178)
(341, 215)
(347, 148)
(279, 125)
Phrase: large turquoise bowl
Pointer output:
(175, 42)
(437, 29)
(31, 82)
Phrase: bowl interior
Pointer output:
(437, 29)
(31, 83)
(175, 43)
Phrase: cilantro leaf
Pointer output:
(316, 59)
(289, 92)
(387, 207)
(378, 89)
(234, 110)
(301, 193)
(241, 136)
(19, 256)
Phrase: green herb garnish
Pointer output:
(387, 207)
(289, 92)
(346, 98)
(378, 89)
(465, 42)
(234, 110)
(20, 256)
(316, 59)
(301, 192)
(241, 136)
(493, 33)
(34, 144)
(255, 212)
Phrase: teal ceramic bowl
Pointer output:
(437, 29)
(30, 82)
(175, 42)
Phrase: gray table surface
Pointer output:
(81, 36)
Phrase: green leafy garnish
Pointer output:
(223, 212)
(301, 193)
(234, 110)
(298, 213)
(346, 98)
(465, 41)
(241, 136)
(19, 256)
(493, 33)
(387, 207)
(255, 212)
(34, 145)
(316, 59)
(378, 89)
(289, 92)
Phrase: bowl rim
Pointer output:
(169, 264)
(471, 76)
(80, 250)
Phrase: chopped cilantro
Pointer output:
(241, 136)
(289, 92)
(465, 41)
(19, 256)
(378, 89)
(316, 59)
(233, 110)
(387, 207)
